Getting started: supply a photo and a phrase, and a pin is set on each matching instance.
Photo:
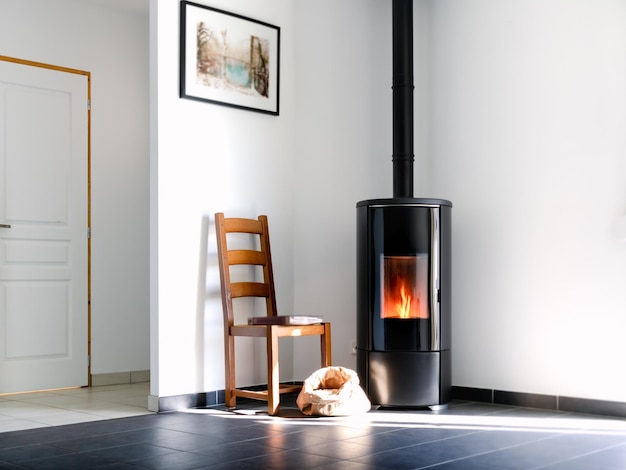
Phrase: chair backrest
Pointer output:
(257, 255)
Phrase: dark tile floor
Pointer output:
(465, 436)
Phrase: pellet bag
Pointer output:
(333, 391)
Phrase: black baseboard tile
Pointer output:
(201, 400)
(549, 402)
(483, 395)
(594, 407)
(220, 397)
(500, 397)
(190, 400)
(528, 400)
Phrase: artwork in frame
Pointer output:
(228, 59)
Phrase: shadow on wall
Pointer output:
(209, 321)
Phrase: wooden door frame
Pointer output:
(88, 76)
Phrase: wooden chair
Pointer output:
(258, 256)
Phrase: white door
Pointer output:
(43, 228)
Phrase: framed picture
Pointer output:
(228, 59)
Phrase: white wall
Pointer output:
(528, 118)
(113, 46)
(208, 158)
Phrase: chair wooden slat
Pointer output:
(254, 257)
(249, 289)
(239, 225)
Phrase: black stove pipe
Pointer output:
(403, 156)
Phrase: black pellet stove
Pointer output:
(403, 266)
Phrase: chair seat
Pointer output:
(285, 320)
(260, 331)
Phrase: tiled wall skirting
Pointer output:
(183, 402)
(548, 402)
(500, 397)
(117, 378)
(194, 400)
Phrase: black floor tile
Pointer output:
(120, 466)
(29, 452)
(218, 454)
(287, 460)
(85, 444)
(74, 461)
(407, 437)
(340, 450)
(608, 459)
(10, 466)
(338, 432)
(184, 443)
(131, 452)
(437, 452)
(291, 441)
(177, 460)
(559, 451)
(149, 434)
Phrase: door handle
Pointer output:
(5, 225)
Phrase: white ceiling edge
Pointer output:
(133, 7)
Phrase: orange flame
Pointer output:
(403, 307)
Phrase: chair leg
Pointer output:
(273, 376)
(229, 369)
(326, 346)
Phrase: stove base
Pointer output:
(406, 378)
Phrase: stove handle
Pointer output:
(435, 330)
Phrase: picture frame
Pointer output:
(229, 59)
